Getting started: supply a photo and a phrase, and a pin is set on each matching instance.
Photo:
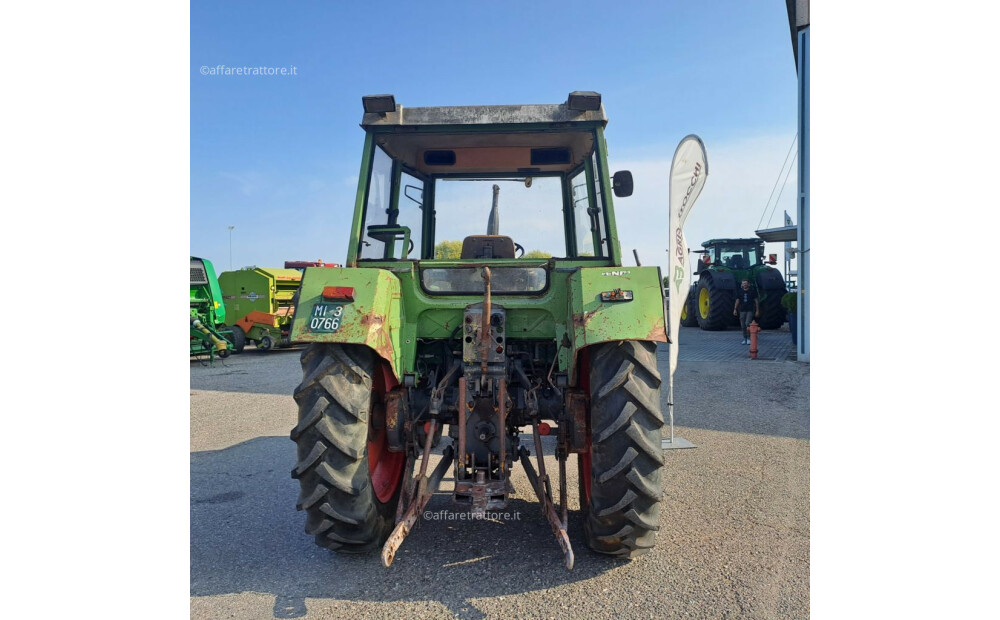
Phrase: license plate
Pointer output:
(325, 318)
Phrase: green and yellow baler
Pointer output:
(260, 303)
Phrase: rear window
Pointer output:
(469, 280)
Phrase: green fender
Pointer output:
(372, 318)
(592, 321)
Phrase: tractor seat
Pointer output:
(488, 246)
(738, 262)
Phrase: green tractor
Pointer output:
(721, 270)
(403, 344)
(209, 333)
(689, 313)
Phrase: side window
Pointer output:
(377, 207)
(588, 220)
(411, 210)
(581, 202)
(599, 216)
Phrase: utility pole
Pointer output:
(231, 247)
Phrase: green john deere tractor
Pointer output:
(721, 271)
(403, 344)
(209, 334)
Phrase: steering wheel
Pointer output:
(410, 251)
(518, 246)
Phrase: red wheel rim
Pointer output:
(384, 467)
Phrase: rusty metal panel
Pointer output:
(481, 496)
(577, 408)
(484, 115)
(372, 319)
(395, 419)
(592, 321)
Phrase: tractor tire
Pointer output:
(239, 338)
(715, 305)
(621, 475)
(772, 313)
(689, 316)
(350, 503)
(266, 343)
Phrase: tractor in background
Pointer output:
(723, 266)
(209, 333)
(259, 303)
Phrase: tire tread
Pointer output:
(626, 460)
(334, 399)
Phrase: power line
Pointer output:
(778, 199)
(790, 147)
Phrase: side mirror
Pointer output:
(622, 183)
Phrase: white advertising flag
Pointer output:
(687, 177)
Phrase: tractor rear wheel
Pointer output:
(772, 313)
(689, 315)
(715, 305)
(349, 480)
(620, 476)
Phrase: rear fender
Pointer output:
(722, 279)
(592, 321)
(372, 318)
(770, 281)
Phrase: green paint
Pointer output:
(752, 250)
(260, 289)
(206, 307)
(391, 311)
(372, 319)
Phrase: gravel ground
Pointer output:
(733, 543)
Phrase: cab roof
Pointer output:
(750, 241)
(487, 139)
(445, 116)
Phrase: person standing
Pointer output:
(747, 308)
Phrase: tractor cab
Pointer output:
(500, 184)
(734, 253)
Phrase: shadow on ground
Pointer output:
(247, 536)
(249, 372)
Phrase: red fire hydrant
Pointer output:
(753, 329)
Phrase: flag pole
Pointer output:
(688, 172)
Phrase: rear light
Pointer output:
(616, 295)
(338, 293)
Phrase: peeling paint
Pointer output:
(581, 319)
(658, 333)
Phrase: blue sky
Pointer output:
(277, 156)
